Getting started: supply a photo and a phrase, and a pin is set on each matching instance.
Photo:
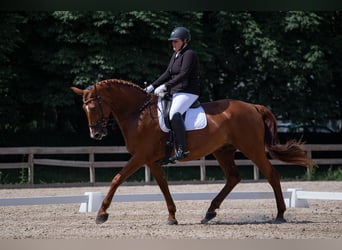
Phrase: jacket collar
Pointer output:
(181, 52)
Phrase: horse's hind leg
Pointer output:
(225, 157)
(273, 178)
(271, 174)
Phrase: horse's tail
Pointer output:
(291, 152)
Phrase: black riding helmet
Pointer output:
(180, 33)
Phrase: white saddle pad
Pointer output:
(194, 118)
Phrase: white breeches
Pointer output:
(181, 102)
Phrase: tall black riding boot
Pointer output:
(178, 127)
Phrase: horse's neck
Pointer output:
(125, 101)
(128, 107)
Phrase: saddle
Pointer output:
(166, 102)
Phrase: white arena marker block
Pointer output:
(319, 195)
(83, 207)
(93, 204)
(287, 202)
(294, 201)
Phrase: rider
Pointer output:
(181, 80)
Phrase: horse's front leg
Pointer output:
(131, 167)
(158, 174)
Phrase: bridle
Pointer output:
(103, 120)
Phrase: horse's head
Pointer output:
(97, 111)
(123, 99)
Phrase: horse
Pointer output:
(231, 125)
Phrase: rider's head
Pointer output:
(181, 33)
(180, 36)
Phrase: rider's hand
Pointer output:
(160, 90)
(149, 88)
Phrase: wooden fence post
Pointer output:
(256, 172)
(31, 168)
(202, 169)
(309, 155)
(147, 174)
(91, 167)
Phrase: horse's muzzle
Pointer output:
(98, 134)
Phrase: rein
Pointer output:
(148, 104)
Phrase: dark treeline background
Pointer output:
(289, 61)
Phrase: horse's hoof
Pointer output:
(279, 220)
(208, 216)
(101, 218)
(172, 222)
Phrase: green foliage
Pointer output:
(281, 59)
(331, 174)
(23, 176)
(288, 60)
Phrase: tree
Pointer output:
(10, 40)
(65, 48)
(287, 60)
(280, 59)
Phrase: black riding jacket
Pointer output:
(182, 74)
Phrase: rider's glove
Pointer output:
(160, 90)
(149, 88)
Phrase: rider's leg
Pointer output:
(181, 102)
(177, 125)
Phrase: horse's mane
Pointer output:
(151, 99)
(110, 82)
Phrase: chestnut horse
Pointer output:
(231, 125)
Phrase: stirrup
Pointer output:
(180, 154)
(165, 161)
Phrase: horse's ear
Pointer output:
(77, 90)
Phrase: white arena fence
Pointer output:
(34, 156)
(91, 201)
